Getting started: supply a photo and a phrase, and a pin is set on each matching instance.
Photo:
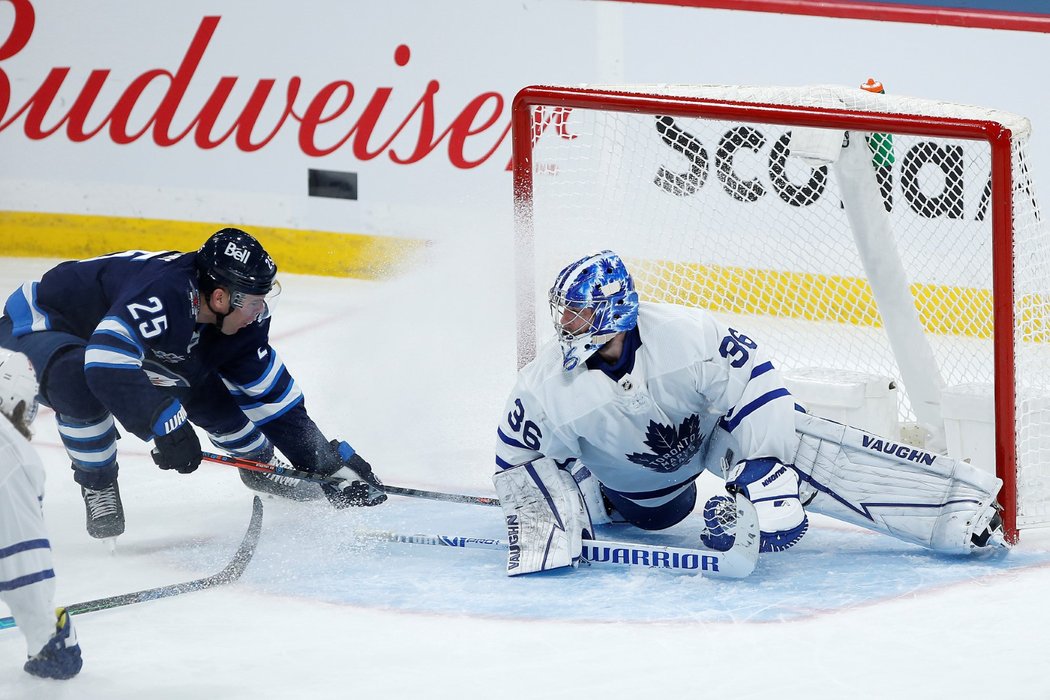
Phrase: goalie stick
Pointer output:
(229, 574)
(255, 466)
(738, 562)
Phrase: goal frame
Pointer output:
(998, 137)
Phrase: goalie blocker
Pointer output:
(931, 500)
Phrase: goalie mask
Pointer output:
(591, 301)
(18, 387)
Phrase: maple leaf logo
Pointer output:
(671, 447)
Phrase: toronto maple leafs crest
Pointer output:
(671, 447)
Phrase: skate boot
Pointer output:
(991, 536)
(105, 512)
(60, 657)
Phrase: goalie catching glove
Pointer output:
(355, 483)
(545, 514)
(773, 489)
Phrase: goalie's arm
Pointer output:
(743, 384)
(524, 433)
(759, 412)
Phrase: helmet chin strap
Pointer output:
(219, 317)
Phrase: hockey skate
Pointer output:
(991, 536)
(105, 512)
(60, 657)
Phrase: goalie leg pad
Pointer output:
(545, 514)
(930, 500)
(773, 488)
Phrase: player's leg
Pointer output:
(930, 500)
(85, 426)
(27, 578)
(89, 434)
(545, 514)
(653, 512)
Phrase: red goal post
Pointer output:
(798, 249)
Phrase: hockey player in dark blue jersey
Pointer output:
(159, 341)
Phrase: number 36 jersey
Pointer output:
(687, 393)
(137, 311)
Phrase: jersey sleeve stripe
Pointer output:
(111, 335)
(26, 316)
(503, 464)
(246, 444)
(233, 437)
(269, 377)
(507, 440)
(761, 369)
(102, 356)
(115, 327)
(754, 406)
(262, 413)
(274, 373)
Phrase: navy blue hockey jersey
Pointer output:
(137, 310)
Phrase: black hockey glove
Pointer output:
(179, 450)
(357, 485)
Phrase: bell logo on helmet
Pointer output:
(241, 254)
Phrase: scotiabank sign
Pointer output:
(321, 121)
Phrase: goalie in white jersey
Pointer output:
(618, 416)
(27, 579)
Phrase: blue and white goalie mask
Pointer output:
(591, 301)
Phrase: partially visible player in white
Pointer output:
(27, 578)
(617, 416)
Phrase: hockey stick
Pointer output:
(229, 574)
(255, 466)
(738, 562)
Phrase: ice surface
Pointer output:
(413, 372)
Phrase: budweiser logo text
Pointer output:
(337, 116)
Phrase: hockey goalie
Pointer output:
(616, 418)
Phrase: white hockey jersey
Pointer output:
(698, 392)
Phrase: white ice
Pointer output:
(414, 372)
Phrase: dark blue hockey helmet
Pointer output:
(591, 301)
(234, 260)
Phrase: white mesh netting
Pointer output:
(716, 214)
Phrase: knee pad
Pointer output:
(773, 489)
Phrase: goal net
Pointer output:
(859, 233)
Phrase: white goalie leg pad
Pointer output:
(930, 500)
(545, 514)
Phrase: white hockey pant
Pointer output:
(27, 583)
(930, 500)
